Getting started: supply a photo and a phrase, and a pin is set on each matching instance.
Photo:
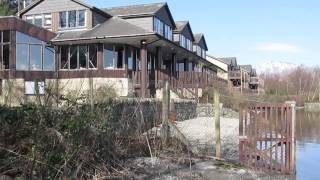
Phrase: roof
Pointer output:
(229, 60)
(113, 27)
(36, 2)
(141, 9)
(180, 25)
(246, 67)
(198, 37)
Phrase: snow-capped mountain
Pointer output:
(275, 67)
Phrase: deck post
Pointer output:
(158, 65)
(143, 57)
(165, 131)
(217, 107)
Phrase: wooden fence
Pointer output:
(266, 137)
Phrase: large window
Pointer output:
(33, 54)
(185, 42)
(5, 49)
(41, 20)
(78, 56)
(72, 19)
(162, 28)
(113, 57)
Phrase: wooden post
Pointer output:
(143, 59)
(91, 93)
(217, 122)
(293, 140)
(241, 81)
(165, 131)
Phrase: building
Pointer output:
(70, 45)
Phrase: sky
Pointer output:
(254, 31)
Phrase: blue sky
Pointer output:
(254, 31)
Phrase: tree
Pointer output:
(8, 7)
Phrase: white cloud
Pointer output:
(279, 47)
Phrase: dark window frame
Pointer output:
(2, 45)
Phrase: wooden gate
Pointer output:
(266, 137)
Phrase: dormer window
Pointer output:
(162, 29)
(41, 20)
(72, 19)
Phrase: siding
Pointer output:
(187, 32)
(97, 19)
(164, 16)
(48, 6)
(176, 38)
(144, 22)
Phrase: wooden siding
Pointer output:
(49, 6)
(187, 32)
(97, 19)
(164, 16)
(143, 22)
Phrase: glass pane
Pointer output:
(63, 19)
(21, 37)
(38, 20)
(83, 53)
(108, 56)
(73, 57)
(72, 18)
(93, 56)
(82, 15)
(29, 87)
(35, 57)
(47, 20)
(6, 36)
(29, 19)
(119, 57)
(64, 64)
(22, 57)
(6, 56)
(129, 58)
(48, 61)
(41, 87)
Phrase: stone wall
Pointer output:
(207, 110)
(185, 109)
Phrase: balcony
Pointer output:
(235, 74)
(254, 81)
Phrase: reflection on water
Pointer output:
(308, 145)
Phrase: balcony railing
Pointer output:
(254, 80)
(235, 74)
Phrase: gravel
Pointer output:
(201, 134)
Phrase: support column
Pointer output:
(158, 65)
(143, 57)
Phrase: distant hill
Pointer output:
(275, 67)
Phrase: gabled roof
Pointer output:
(113, 27)
(198, 37)
(36, 2)
(140, 10)
(246, 67)
(181, 25)
(229, 60)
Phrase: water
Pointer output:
(308, 145)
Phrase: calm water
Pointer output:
(308, 145)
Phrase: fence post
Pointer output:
(165, 131)
(217, 122)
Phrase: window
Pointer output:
(5, 49)
(78, 56)
(41, 20)
(129, 58)
(159, 28)
(72, 19)
(33, 54)
(113, 57)
(182, 41)
(35, 57)
(63, 19)
(47, 20)
(38, 20)
(34, 87)
(168, 32)
(189, 45)
(82, 17)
